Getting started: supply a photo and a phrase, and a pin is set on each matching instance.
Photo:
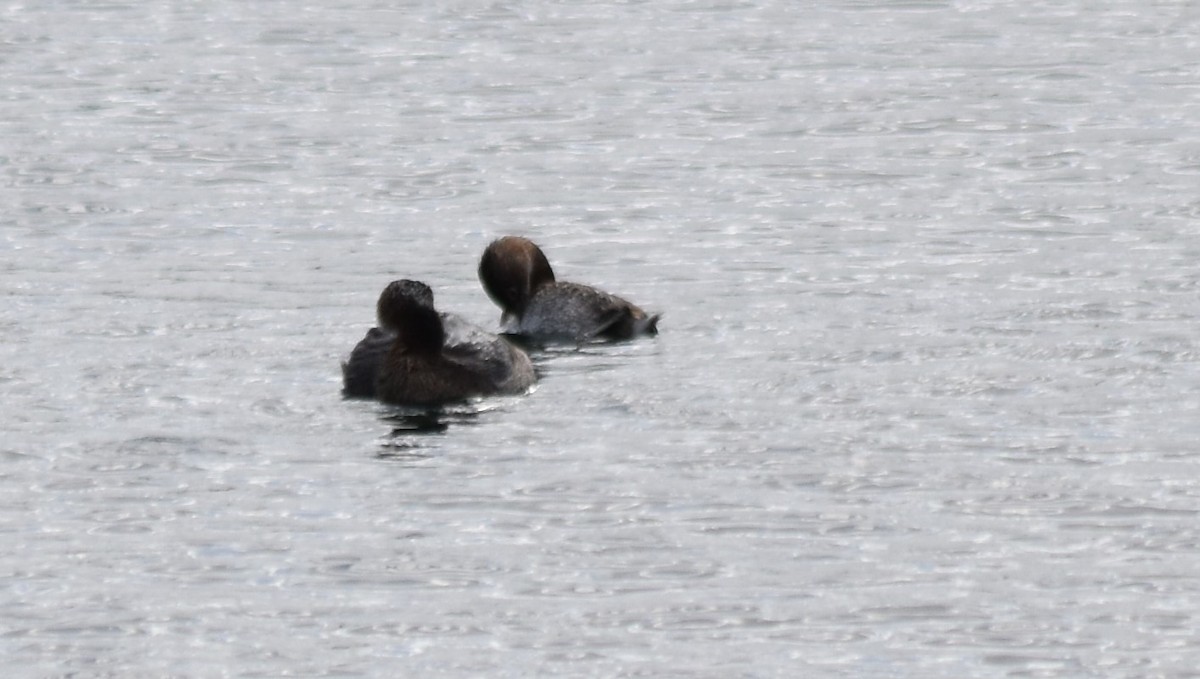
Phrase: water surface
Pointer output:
(925, 400)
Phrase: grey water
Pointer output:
(925, 402)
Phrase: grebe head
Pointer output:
(397, 296)
(406, 307)
(512, 269)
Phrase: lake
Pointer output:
(925, 401)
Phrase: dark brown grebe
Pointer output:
(420, 357)
(517, 276)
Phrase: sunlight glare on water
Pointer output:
(924, 402)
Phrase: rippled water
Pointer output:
(926, 400)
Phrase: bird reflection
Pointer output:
(427, 422)
(414, 431)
